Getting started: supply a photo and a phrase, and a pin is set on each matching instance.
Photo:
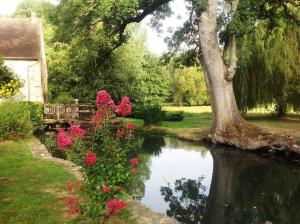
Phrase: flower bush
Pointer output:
(10, 89)
(106, 155)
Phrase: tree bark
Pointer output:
(228, 125)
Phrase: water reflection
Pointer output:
(153, 144)
(187, 201)
(218, 185)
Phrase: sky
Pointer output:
(7, 7)
(155, 41)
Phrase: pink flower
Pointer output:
(76, 132)
(125, 107)
(129, 126)
(134, 161)
(104, 99)
(101, 116)
(73, 205)
(63, 140)
(120, 133)
(114, 206)
(69, 186)
(90, 158)
(105, 189)
(134, 171)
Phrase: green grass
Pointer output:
(197, 120)
(31, 190)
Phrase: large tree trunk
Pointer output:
(228, 125)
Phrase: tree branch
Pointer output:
(231, 69)
(232, 61)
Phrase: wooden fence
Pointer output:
(56, 115)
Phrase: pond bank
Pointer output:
(141, 214)
(187, 134)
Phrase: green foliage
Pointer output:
(105, 157)
(188, 86)
(201, 5)
(14, 120)
(151, 114)
(6, 74)
(43, 8)
(155, 83)
(64, 98)
(174, 116)
(268, 71)
(35, 114)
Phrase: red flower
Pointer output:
(134, 161)
(90, 158)
(129, 126)
(104, 99)
(69, 186)
(120, 133)
(114, 206)
(63, 139)
(73, 205)
(101, 116)
(134, 171)
(76, 132)
(125, 107)
(105, 189)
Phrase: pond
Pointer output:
(194, 183)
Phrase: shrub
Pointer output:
(151, 114)
(174, 116)
(14, 120)
(64, 98)
(35, 114)
(107, 157)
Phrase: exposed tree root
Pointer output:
(247, 136)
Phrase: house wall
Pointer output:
(29, 72)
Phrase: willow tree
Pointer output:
(269, 56)
(111, 17)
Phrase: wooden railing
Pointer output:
(68, 113)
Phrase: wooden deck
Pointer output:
(57, 115)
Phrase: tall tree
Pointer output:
(112, 17)
(269, 57)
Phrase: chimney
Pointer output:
(33, 17)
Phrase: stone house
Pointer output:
(22, 48)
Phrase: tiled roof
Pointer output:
(20, 38)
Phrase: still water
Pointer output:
(194, 183)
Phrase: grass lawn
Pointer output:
(31, 190)
(198, 120)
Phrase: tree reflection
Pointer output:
(153, 144)
(187, 201)
(245, 189)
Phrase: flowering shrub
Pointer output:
(90, 158)
(77, 132)
(10, 89)
(104, 157)
(125, 107)
(73, 205)
(63, 139)
(114, 206)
